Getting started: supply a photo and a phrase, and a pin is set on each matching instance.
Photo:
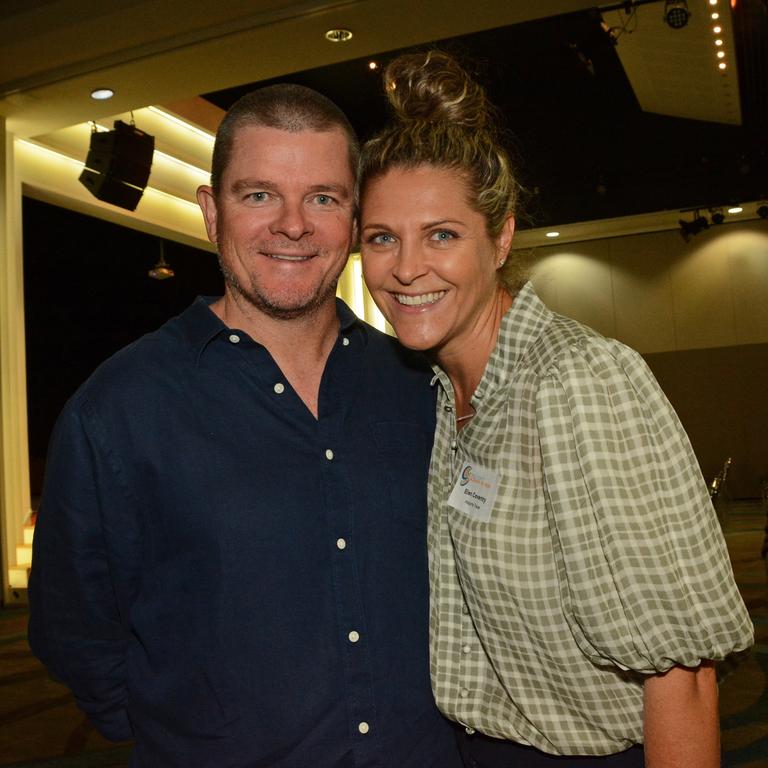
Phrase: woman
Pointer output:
(580, 584)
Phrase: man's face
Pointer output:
(283, 218)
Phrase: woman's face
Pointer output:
(427, 257)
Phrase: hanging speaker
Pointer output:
(118, 165)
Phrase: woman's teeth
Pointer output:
(424, 298)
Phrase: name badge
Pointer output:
(475, 491)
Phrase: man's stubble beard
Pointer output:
(260, 302)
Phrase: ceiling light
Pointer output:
(102, 94)
(338, 35)
(717, 30)
(713, 2)
(162, 270)
(721, 54)
(689, 229)
(735, 209)
(722, 65)
(715, 16)
(372, 65)
(676, 13)
(553, 234)
(718, 42)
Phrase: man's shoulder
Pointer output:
(387, 353)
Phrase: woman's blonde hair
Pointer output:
(443, 118)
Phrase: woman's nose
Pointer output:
(410, 263)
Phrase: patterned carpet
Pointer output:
(40, 727)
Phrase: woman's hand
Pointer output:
(681, 721)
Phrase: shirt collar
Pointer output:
(520, 328)
(201, 325)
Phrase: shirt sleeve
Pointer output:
(645, 578)
(76, 627)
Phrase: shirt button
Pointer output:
(466, 649)
(341, 543)
(363, 727)
(448, 408)
(353, 636)
(463, 693)
(279, 388)
(345, 341)
(329, 454)
(234, 338)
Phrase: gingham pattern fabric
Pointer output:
(602, 560)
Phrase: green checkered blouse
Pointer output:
(602, 560)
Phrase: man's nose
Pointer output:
(292, 221)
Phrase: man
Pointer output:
(229, 562)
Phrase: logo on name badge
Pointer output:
(466, 475)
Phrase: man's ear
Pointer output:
(207, 203)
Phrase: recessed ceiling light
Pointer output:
(718, 41)
(713, 2)
(722, 65)
(553, 234)
(101, 94)
(338, 35)
(715, 16)
(373, 65)
(735, 209)
(721, 54)
(717, 30)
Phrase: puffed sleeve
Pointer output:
(645, 578)
(76, 626)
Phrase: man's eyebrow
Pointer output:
(241, 185)
(341, 190)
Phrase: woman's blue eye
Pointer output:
(382, 239)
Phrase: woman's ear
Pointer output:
(504, 240)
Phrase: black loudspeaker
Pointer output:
(118, 165)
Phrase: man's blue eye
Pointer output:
(324, 199)
(259, 197)
(443, 235)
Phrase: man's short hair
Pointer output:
(286, 107)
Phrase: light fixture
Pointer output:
(718, 42)
(373, 65)
(713, 2)
(102, 94)
(689, 229)
(676, 13)
(735, 209)
(715, 16)
(722, 65)
(721, 54)
(552, 234)
(717, 30)
(162, 270)
(762, 210)
(338, 35)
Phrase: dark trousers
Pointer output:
(480, 751)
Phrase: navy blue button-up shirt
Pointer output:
(229, 581)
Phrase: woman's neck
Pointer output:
(465, 363)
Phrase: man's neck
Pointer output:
(300, 346)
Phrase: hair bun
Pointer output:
(433, 87)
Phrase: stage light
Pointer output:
(762, 210)
(689, 229)
(717, 216)
(676, 13)
(162, 270)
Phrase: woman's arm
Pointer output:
(681, 722)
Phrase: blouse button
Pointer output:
(329, 454)
(466, 649)
(464, 693)
(448, 408)
(234, 338)
(465, 610)
(279, 388)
